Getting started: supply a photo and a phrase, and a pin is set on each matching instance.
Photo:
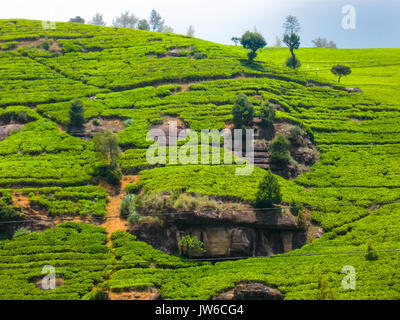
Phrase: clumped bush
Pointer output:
(243, 112)
(95, 295)
(110, 173)
(279, 149)
(96, 122)
(76, 117)
(191, 246)
(132, 188)
(128, 122)
(325, 291)
(267, 115)
(295, 134)
(269, 192)
(294, 65)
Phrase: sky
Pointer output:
(377, 22)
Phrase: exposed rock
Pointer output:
(6, 130)
(351, 90)
(250, 291)
(229, 234)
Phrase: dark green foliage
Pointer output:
(252, 41)
(292, 41)
(267, 115)
(340, 71)
(132, 188)
(290, 64)
(279, 149)
(371, 256)
(143, 25)
(21, 232)
(269, 192)
(110, 173)
(76, 117)
(77, 19)
(243, 112)
(8, 213)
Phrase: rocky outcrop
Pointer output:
(228, 234)
(250, 291)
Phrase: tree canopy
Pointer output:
(252, 41)
(340, 71)
(243, 111)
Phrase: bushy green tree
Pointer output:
(252, 41)
(143, 25)
(243, 111)
(106, 145)
(340, 71)
(191, 245)
(269, 192)
(77, 19)
(156, 21)
(279, 149)
(76, 117)
(267, 116)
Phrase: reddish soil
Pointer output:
(150, 294)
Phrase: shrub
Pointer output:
(128, 205)
(243, 111)
(269, 192)
(128, 122)
(95, 295)
(289, 63)
(110, 173)
(132, 188)
(191, 245)
(96, 122)
(295, 134)
(267, 115)
(279, 149)
(76, 117)
(325, 291)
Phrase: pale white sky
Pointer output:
(219, 20)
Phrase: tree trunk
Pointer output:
(293, 58)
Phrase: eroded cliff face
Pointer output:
(234, 234)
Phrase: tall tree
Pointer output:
(77, 19)
(97, 20)
(156, 21)
(76, 117)
(291, 38)
(252, 41)
(125, 20)
(190, 31)
(143, 25)
(106, 145)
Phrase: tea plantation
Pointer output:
(119, 73)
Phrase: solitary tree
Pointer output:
(252, 41)
(125, 20)
(190, 31)
(106, 145)
(97, 20)
(279, 148)
(269, 192)
(77, 19)
(156, 21)
(235, 40)
(243, 111)
(291, 38)
(76, 117)
(340, 71)
(143, 25)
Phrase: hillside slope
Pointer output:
(149, 77)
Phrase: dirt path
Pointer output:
(113, 222)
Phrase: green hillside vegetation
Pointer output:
(145, 76)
